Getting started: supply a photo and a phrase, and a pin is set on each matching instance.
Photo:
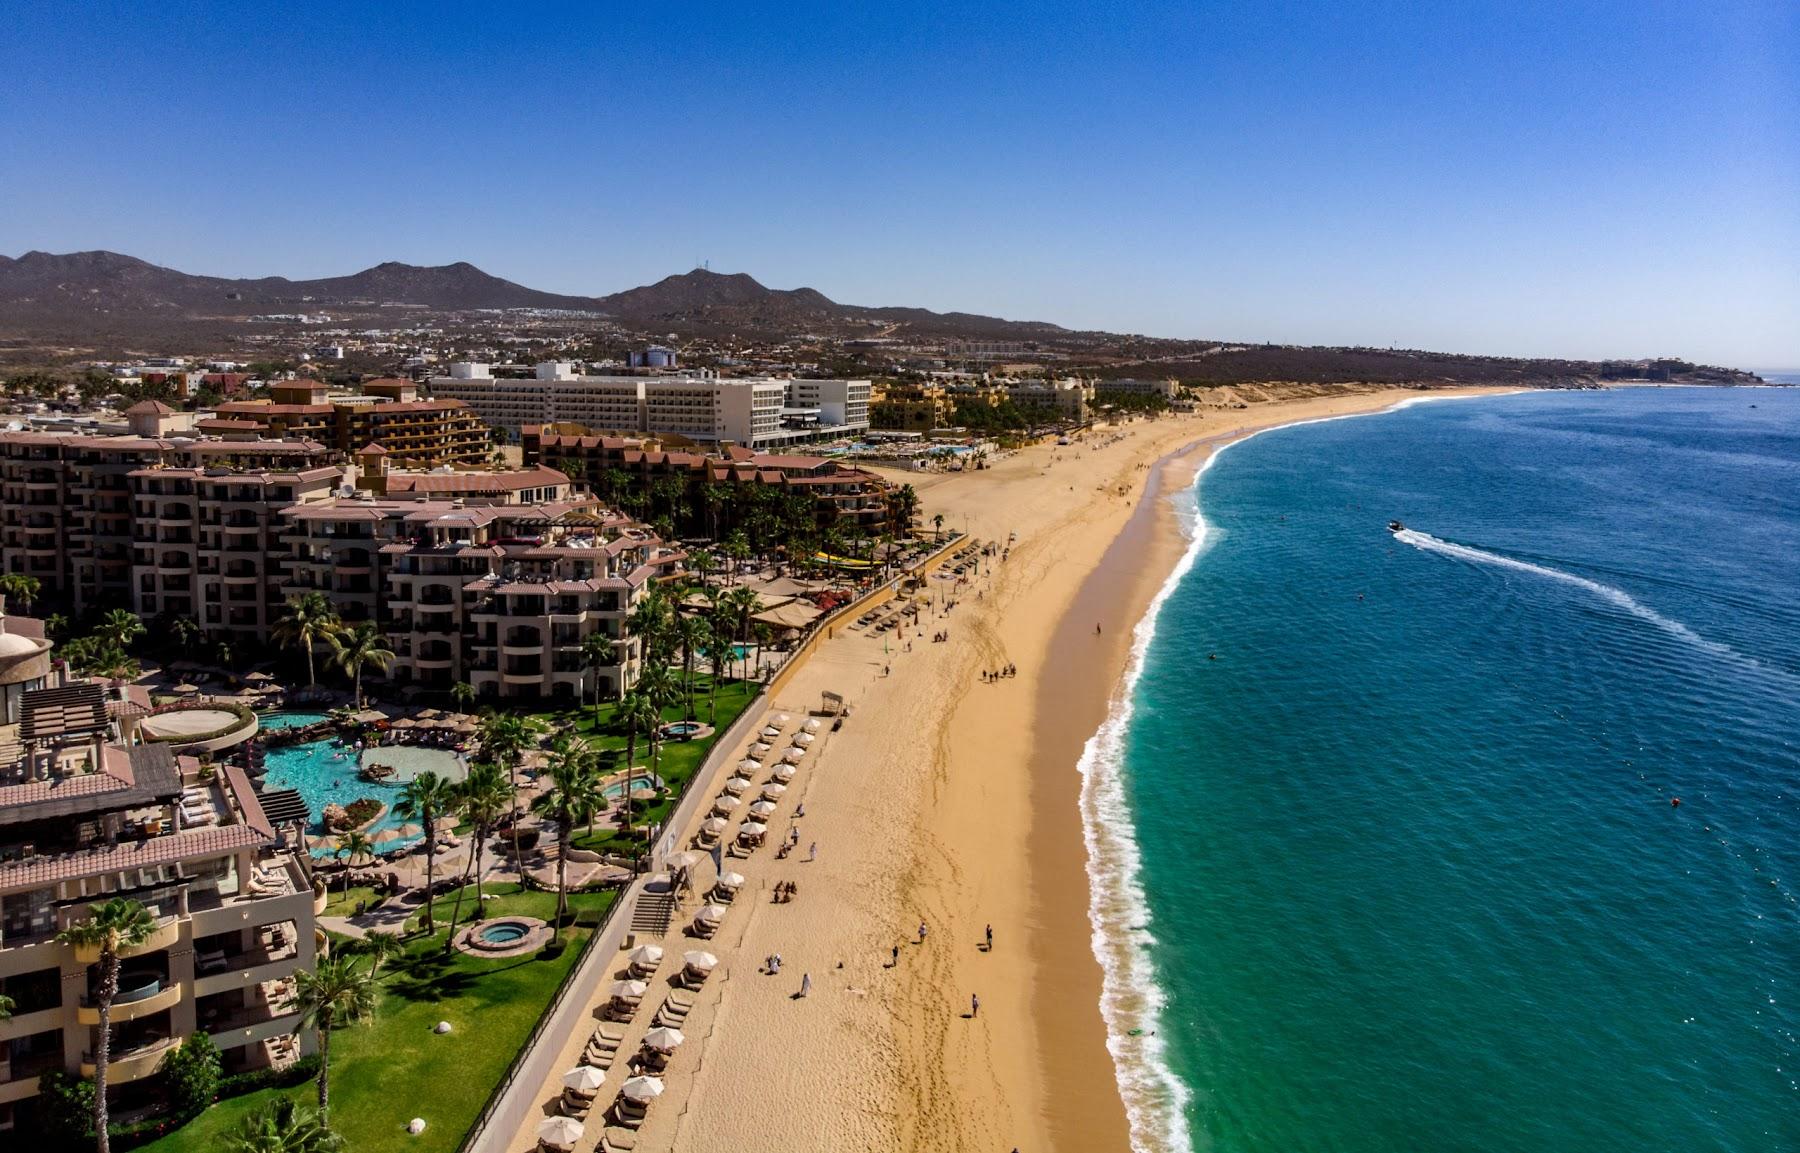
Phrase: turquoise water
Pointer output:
(289, 720)
(324, 773)
(1407, 872)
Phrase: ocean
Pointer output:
(1384, 834)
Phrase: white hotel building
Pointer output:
(760, 413)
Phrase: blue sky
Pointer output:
(1586, 179)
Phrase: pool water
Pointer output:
(324, 773)
(504, 934)
(638, 781)
(289, 720)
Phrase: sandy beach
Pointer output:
(954, 801)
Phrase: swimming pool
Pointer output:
(325, 773)
(289, 720)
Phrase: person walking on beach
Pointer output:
(812, 852)
(974, 1005)
(895, 964)
(990, 938)
(805, 984)
(921, 932)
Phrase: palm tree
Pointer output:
(120, 627)
(424, 799)
(306, 621)
(737, 547)
(739, 603)
(597, 652)
(354, 648)
(463, 693)
(283, 1126)
(352, 847)
(703, 561)
(334, 993)
(21, 587)
(186, 631)
(55, 625)
(937, 522)
(484, 797)
(110, 928)
(635, 712)
(694, 636)
(381, 948)
(574, 793)
(7, 1006)
(504, 739)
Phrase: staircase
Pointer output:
(653, 914)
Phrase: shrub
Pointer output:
(66, 1104)
(193, 1074)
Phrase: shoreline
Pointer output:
(953, 798)
(1153, 552)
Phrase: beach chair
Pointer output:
(629, 1113)
(618, 1141)
(575, 1105)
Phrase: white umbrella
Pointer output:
(646, 956)
(782, 719)
(785, 773)
(664, 1039)
(724, 805)
(771, 731)
(749, 765)
(793, 754)
(584, 1079)
(715, 825)
(763, 810)
(642, 1089)
(759, 748)
(773, 790)
(641, 793)
(731, 880)
(737, 785)
(700, 961)
(752, 829)
(803, 738)
(812, 726)
(561, 1132)
(711, 914)
(628, 990)
(686, 860)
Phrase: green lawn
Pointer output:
(394, 1069)
(338, 904)
(677, 761)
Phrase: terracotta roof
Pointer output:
(145, 854)
(149, 408)
(511, 481)
(126, 779)
(372, 449)
(77, 710)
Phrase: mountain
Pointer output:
(106, 282)
(90, 292)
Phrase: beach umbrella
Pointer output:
(561, 1132)
(771, 731)
(646, 956)
(700, 961)
(725, 805)
(627, 990)
(763, 810)
(715, 825)
(185, 688)
(403, 723)
(782, 719)
(736, 785)
(773, 790)
(711, 914)
(752, 829)
(259, 677)
(642, 1089)
(804, 739)
(427, 713)
(664, 1039)
(731, 880)
(785, 773)
(388, 836)
(584, 1079)
(686, 860)
(759, 749)
(793, 754)
(812, 726)
(749, 765)
(643, 794)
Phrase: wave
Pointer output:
(1616, 596)
(1131, 1000)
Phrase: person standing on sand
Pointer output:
(921, 932)
(974, 1005)
(896, 961)
(990, 938)
(805, 984)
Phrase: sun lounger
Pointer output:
(574, 1104)
(618, 1141)
(629, 1113)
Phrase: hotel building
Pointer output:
(385, 412)
(84, 819)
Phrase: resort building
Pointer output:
(911, 407)
(84, 819)
(627, 469)
(385, 412)
(753, 412)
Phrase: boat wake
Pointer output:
(1616, 596)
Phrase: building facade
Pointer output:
(386, 412)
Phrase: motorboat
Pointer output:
(1396, 526)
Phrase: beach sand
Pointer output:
(956, 802)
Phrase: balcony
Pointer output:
(161, 937)
(134, 1064)
(129, 1006)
